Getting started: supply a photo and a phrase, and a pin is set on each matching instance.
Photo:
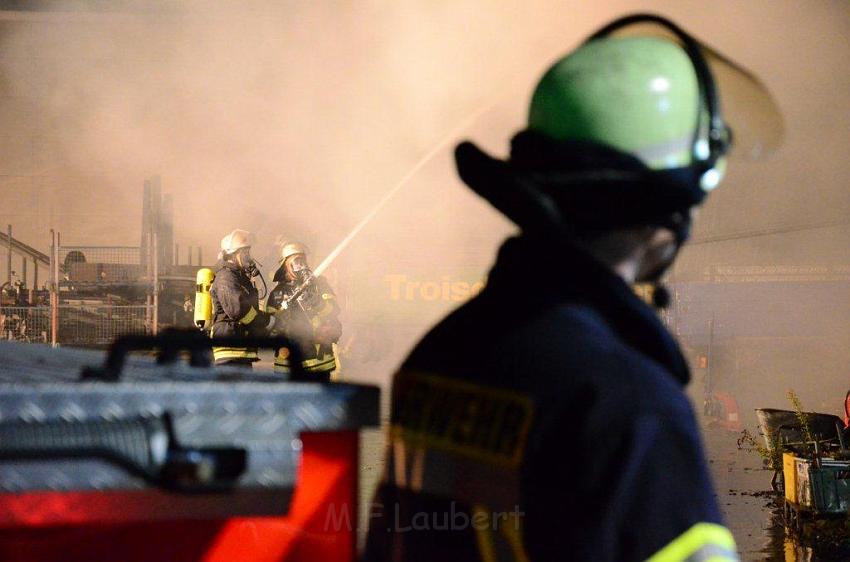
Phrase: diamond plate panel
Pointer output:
(258, 412)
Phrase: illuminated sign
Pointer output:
(402, 288)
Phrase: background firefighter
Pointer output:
(235, 300)
(307, 313)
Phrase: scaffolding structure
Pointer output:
(91, 290)
(94, 294)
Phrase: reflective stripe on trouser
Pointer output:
(221, 353)
(704, 542)
(319, 365)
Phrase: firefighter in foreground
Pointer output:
(235, 300)
(551, 424)
(307, 313)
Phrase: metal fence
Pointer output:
(126, 255)
(84, 325)
(96, 294)
(25, 323)
(100, 324)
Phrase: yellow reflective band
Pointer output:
(249, 317)
(493, 546)
(234, 353)
(484, 535)
(315, 366)
(701, 543)
(512, 531)
(484, 423)
(310, 365)
(271, 309)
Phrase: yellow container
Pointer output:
(789, 472)
(203, 300)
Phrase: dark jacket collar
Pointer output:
(562, 272)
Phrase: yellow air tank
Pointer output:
(203, 301)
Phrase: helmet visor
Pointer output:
(752, 123)
(297, 262)
(747, 108)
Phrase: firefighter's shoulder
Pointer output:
(571, 350)
(225, 275)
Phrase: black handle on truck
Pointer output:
(173, 341)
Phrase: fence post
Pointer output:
(148, 296)
(9, 256)
(144, 247)
(54, 288)
(155, 315)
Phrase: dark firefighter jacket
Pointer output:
(236, 311)
(546, 420)
(311, 320)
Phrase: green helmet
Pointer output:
(639, 95)
(645, 87)
(626, 130)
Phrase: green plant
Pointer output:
(771, 456)
(803, 418)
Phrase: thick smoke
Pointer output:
(293, 120)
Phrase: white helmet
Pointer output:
(236, 240)
(291, 249)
